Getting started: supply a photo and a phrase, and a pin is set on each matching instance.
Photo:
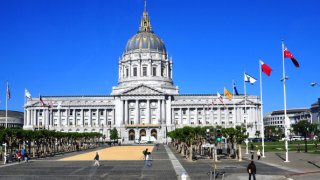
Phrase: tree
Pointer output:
(114, 134)
(241, 135)
(304, 127)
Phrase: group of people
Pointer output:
(20, 155)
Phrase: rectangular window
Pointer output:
(144, 71)
(184, 112)
(127, 72)
(135, 72)
(154, 71)
(71, 112)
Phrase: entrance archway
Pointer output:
(142, 133)
(131, 135)
(154, 133)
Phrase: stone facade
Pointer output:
(145, 101)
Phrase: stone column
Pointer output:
(59, 118)
(196, 116)
(126, 112)
(159, 112)
(188, 115)
(180, 119)
(28, 117)
(168, 112)
(90, 118)
(226, 116)
(137, 112)
(82, 118)
(47, 118)
(203, 116)
(148, 112)
(162, 111)
(106, 117)
(98, 118)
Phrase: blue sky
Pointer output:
(58, 47)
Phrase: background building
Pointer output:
(144, 103)
(15, 118)
(315, 112)
(276, 118)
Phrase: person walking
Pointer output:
(148, 159)
(145, 152)
(96, 160)
(258, 154)
(251, 169)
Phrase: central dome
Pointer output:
(145, 41)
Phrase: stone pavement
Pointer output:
(272, 167)
(301, 165)
(113, 153)
(167, 164)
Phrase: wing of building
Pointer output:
(145, 101)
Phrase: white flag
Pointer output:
(27, 94)
(220, 97)
(250, 79)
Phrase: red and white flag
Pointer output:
(265, 68)
(288, 54)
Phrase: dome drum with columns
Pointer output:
(145, 103)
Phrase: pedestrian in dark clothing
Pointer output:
(145, 152)
(96, 160)
(252, 155)
(252, 170)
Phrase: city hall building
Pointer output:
(145, 102)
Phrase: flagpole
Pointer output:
(234, 106)
(7, 105)
(261, 111)
(38, 124)
(245, 114)
(287, 124)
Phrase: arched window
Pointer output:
(154, 133)
(131, 135)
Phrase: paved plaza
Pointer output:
(166, 164)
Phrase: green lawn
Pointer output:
(280, 146)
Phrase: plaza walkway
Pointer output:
(112, 153)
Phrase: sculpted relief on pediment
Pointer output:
(142, 90)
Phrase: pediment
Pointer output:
(248, 102)
(142, 90)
